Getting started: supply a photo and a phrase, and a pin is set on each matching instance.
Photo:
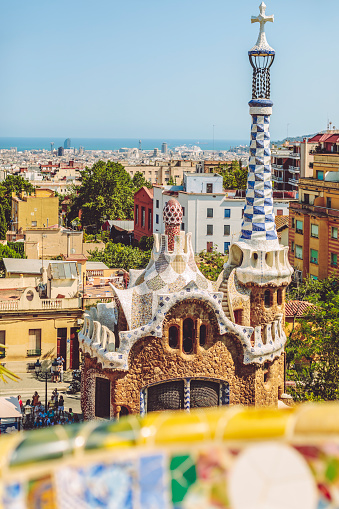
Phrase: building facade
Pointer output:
(212, 215)
(40, 315)
(173, 339)
(143, 213)
(38, 210)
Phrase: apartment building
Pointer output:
(213, 216)
(314, 219)
(40, 313)
(290, 163)
(161, 172)
(40, 209)
(143, 213)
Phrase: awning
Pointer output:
(9, 407)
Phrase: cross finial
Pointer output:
(262, 19)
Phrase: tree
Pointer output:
(312, 350)
(234, 176)
(3, 224)
(6, 252)
(146, 243)
(12, 184)
(211, 264)
(171, 181)
(106, 192)
(118, 256)
(139, 181)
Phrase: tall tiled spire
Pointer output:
(258, 221)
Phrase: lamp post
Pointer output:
(38, 370)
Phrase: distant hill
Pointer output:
(293, 138)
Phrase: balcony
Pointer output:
(34, 353)
(23, 304)
(277, 179)
(277, 166)
(293, 182)
(294, 169)
(322, 211)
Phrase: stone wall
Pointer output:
(269, 382)
(260, 314)
(152, 361)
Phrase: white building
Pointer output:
(212, 215)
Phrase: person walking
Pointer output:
(35, 399)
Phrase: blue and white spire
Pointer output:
(258, 221)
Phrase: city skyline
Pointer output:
(156, 70)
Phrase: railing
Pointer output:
(23, 304)
(51, 304)
(95, 272)
(277, 166)
(294, 169)
(317, 208)
(34, 353)
(294, 182)
(9, 305)
(277, 179)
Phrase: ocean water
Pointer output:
(22, 144)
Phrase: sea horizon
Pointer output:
(44, 143)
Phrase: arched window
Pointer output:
(267, 298)
(279, 297)
(124, 411)
(202, 340)
(173, 337)
(188, 335)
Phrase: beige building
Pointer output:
(39, 313)
(161, 172)
(51, 242)
(38, 210)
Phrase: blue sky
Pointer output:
(162, 69)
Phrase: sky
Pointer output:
(161, 68)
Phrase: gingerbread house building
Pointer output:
(175, 340)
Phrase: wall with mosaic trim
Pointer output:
(152, 360)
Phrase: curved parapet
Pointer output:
(261, 263)
(98, 341)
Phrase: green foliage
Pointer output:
(106, 192)
(139, 181)
(312, 351)
(19, 247)
(146, 243)
(12, 184)
(118, 256)
(3, 224)
(6, 252)
(211, 264)
(171, 181)
(234, 176)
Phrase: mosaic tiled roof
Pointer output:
(167, 272)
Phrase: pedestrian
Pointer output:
(20, 402)
(61, 405)
(60, 361)
(35, 399)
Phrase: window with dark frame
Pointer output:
(209, 188)
(137, 214)
(209, 229)
(227, 229)
(143, 217)
(209, 212)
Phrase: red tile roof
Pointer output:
(296, 308)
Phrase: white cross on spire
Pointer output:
(262, 19)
